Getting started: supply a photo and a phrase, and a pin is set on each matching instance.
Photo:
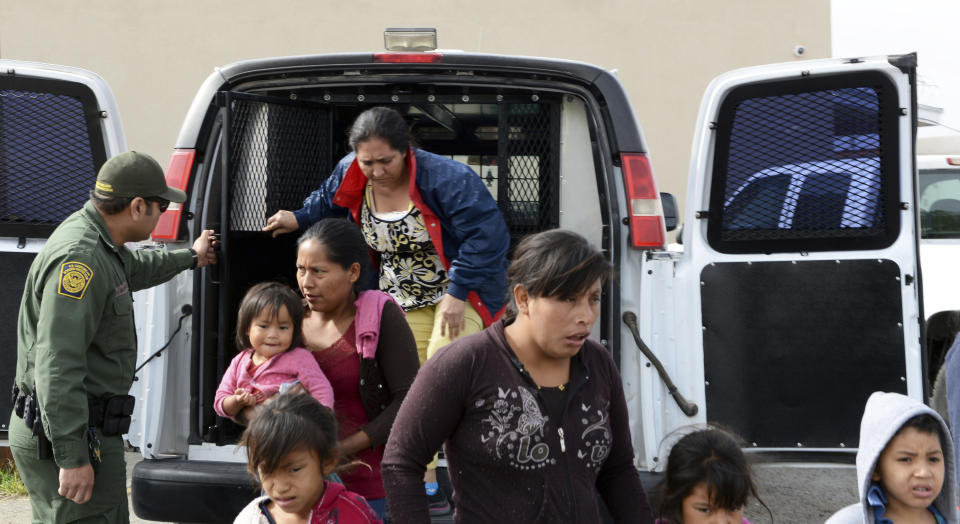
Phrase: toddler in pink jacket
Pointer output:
(268, 334)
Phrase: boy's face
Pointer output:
(911, 470)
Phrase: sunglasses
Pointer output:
(163, 204)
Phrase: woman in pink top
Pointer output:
(269, 327)
(362, 343)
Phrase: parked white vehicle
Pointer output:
(794, 296)
(939, 204)
(940, 231)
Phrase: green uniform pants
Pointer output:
(42, 479)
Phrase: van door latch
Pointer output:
(688, 408)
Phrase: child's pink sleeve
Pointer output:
(312, 377)
(228, 385)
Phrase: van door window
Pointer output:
(781, 151)
(758, 205)
(940, 203)
(51, 147)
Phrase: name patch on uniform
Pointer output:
(74, 279)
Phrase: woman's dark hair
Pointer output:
(291, 422)
(713, 457)
(269, 296)
(383, 123)
(343, 244)
(554, 263)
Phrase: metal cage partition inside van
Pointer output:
(277, 150)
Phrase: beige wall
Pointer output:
(155, 54)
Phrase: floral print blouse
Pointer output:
(410, 268)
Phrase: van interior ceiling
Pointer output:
(276, 148)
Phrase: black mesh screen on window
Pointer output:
(279, 153)
(50, 150)
(528, 167)
(806, 171)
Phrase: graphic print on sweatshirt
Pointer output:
(595, 439)
(514, 429)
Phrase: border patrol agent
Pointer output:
(77, 347)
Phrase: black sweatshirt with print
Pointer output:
(509, 460)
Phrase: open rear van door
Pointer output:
(58, 125)
(800, 244)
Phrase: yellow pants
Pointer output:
(425, 324)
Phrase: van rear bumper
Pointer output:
(179, 490)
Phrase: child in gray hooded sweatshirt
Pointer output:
(905, 465)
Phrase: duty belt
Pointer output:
(111, 416)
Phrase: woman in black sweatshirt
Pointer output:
(531, 411)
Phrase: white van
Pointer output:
(939, 204)
(778, 329)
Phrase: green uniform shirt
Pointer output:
(76, 340)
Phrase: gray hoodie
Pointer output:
(883, 416)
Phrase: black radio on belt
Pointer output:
(113, 414)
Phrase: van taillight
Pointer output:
(407, 58)
(178, 175)
(647, 227)
(953, 161)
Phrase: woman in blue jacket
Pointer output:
(440, 238)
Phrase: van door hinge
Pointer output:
(103, 114)
(905, 206)
(908, 279)
(21, 242)
(703, 214)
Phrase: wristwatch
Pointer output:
(196, 258)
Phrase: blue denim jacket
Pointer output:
(469, 232)
(877, 500)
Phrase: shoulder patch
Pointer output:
(74, 279)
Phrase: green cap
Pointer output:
(134, 174)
